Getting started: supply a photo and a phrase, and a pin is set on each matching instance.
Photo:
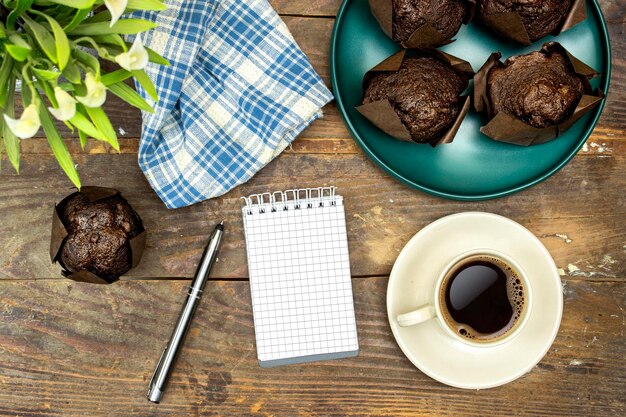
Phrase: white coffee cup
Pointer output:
(435, 310)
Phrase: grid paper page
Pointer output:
(300, 284)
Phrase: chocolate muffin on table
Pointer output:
(539, 17)
(445, 15)
(541, 89)
(425, 93)
(99, 232)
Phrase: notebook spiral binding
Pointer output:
(290, 199)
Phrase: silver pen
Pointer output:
(168, 357)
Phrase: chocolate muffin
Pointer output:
(541, 89)
(424, 93)
(445, 15)
(540, 17)
(105, 253)
(99, 234)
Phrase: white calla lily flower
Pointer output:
(136, 58)
(96, 92)
(66, 105)
(27, 125)
(117, 8)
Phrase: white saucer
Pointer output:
(434, 351)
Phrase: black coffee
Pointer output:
(483, 298)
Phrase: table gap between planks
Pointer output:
(72, 349)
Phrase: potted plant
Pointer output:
(53, 50)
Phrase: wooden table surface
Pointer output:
(72, 349)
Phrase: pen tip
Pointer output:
(220, 226)
(222, 223)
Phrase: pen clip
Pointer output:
(157, 369)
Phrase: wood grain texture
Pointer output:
(71, 349)
(583, 202)
(324, 8)
(302, 145)
(93, 354)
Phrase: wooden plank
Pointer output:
(302, 145)
(82, 350)
(306, 7)
(583, 201)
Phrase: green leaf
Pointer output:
(78, 18)
(112, 39)
(11, 142)
(61, 42)
(145, 5)
(43, 37)
(45, 86)
(72, 73)
(27, 95)
(19, 49)
(76, 4)
(17, 52)
(84, 125)
(18, 41)
(12, 147)
(46, 74)
(5, 73)
(67, 86)
(156, 58)
(121, 27)
(88, 60)
(20, 7)
(79, 89)
(146, 83)
(83, 139)
(115, 77)
(1, 139)
(103, 16)
(62, 14)
(3, 31)
(130, 96)
(102, 122)
(57, 145)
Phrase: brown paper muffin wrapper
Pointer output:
(510, 25)
(504, 127)
(381, 112)
(59, 233)
(426, 36)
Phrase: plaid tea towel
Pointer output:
(238, 92)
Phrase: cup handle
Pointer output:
(416, 317)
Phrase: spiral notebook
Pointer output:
(299, 276)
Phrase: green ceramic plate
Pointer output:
(473, 167)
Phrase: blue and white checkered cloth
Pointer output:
(238, 92)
